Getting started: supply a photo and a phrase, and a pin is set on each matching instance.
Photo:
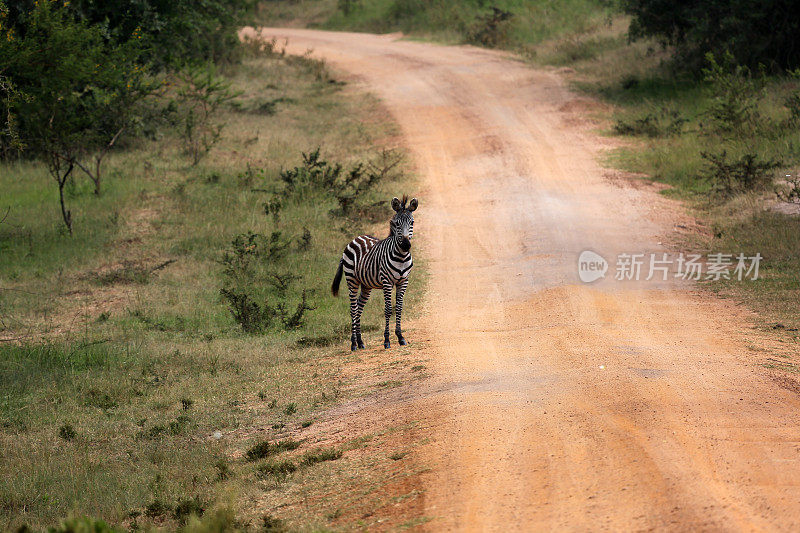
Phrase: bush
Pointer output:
(174, 33)
(251, 265)
(491, 29)
(728, 177)
(753, 32)
(734, 92)
(264, 449)
(199, 97)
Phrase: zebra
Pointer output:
(371, 263)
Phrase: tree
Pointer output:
(73, 91)
(753, 32)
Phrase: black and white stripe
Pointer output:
(369, 263)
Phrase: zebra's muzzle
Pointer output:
(405, 244)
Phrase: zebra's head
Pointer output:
(401, 227)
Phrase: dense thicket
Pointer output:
(754, 33)
(173, 32)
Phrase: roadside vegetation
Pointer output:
(706, 97)
(173, 205)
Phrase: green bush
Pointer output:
(728, 177)
(174, 32)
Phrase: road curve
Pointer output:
(562, 405)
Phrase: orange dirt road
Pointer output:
(557, 404)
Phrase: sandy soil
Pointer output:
(556, 404)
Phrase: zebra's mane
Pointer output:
(403, 201)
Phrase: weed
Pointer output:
(101, 400)
(397, 456)
(264, 449)
(319, 456)
(177, 426)
(156, 509)
(186, 403)
(306, 424)
(224, 471)
(278, 470)
(67, 432)
(186, 508)
(290, 409)
(661, 124)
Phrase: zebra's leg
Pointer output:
(352, 286)
(401, 291)
(387, 312)
(362, 301)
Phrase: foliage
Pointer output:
(173, 33)
(491, 29)
(729, 177)
(200, 94)
(734, 94)
(662, 123)
(753, 32)
(83, 525)
(63, 103)
(264, 449)
(253, 260)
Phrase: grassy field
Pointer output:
(127, 390)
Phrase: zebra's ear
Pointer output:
(413, 204)
(396, 205)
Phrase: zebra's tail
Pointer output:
(337, 279)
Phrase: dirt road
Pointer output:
(559, 404)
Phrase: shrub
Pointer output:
(67, 432)
(186, 508)
(728, 177)
(249, 266)
(199, 97)
(279, 469)
(319, 456)
(734, 92)
(83, 525)
(264, 449)
(173, 33)
(491, 29)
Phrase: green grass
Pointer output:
(445, 21)
(125, 384)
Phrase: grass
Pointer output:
(444, 21)
(125, 384)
